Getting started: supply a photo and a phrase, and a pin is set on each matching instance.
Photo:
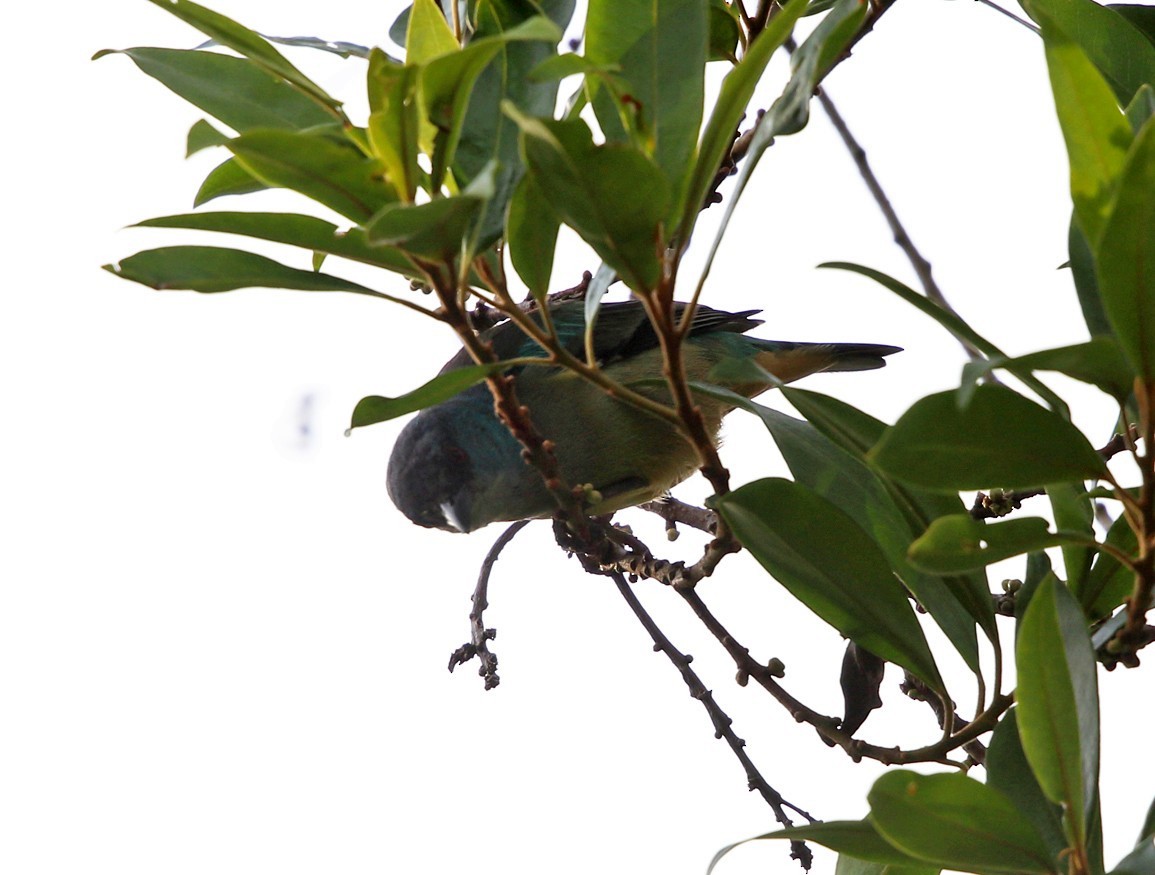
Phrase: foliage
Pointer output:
(463, 166)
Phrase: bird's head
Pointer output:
(430, 474)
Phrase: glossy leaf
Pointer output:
(822, 556)
(330, 170)
(589, 187)
(1141, 108)
(213, 269)
(961, 543)
(849, 484)
(1110, 582)
(1072, 511)
(1117, 48)
(1009, 772)
(228, 177)
(394, 122)
(308, 232)
(956, 822)
(532, 236)
(1095, 130)
(238, 92)
(428, 35)
(790, 112)
(1126, 255)
(1058, 700)
(737, 89)
(847, 865)
(378, 408)
(1098, 361)
(249, 44)
(660, 48)
(435, 230)
(1001, 440)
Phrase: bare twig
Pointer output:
(1010, 15)
(674, 511)
(723, 724)
(479, 636)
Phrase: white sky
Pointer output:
(222, 649)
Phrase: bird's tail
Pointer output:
(790, 361)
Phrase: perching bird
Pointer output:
(456, 467)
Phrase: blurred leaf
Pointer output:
(1009, 772)
(1058, 709)
(1086, 282)
(394, 123)
(308, 232)
(333, 47)
(1098, 361)
(1109, 582)
(847, 865)
(724, 32)
(428, 34)
(1095, 130)
(661, 49)
(435, 230)
(813, 59)
(1141, 108)
(237, 91)
(202, 135)
(1119, 50)
(961, 543)
(612, 195)
(226, 178)
(330, 170)
(1141, 861)
(399, 29)
(532, 236)
(250, 44)
(956, 822)
(488, 134)
(1142, 18)
(1001, 439)
(377, 408)
(1147, 830)
(721, 126)
(822, 556)
(1126, 253)
(212, 269)
(1073, 512)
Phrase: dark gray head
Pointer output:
(430, 474)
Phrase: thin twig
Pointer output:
(1010, 15)
(723, 724)
(479, 636)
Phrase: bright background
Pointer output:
(223, 650)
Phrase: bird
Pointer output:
(455, 466)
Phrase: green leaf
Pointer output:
(852, 866)
(1141, 108)
(1095, 130)
(308, 232)
(957, 823)
(849, 484)
(822, 556)
(857, 838)
(737, 89)
(856, 432)
(330, 170)
(1141, 861)
(1110, 582)
(961, 543)
(250, 44)
(212, 269)
(1126, 257)
(1009, 772)
(428, 35)
(1099, 361)
(1073, 512)
(1059, 704)
(813, 59)
(227, 178)
(202, 135)
(1001, 439)
(725, 32)
(377, 408)
(237, 91)
(532, 236)
(487, 133)
(437, 230)
(661, 49)
(612, 195)
(394, 123)
(1116, 47)
(1082, 261)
